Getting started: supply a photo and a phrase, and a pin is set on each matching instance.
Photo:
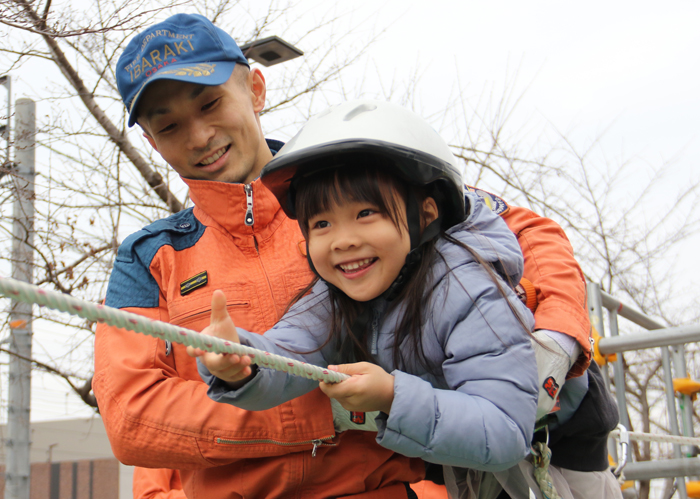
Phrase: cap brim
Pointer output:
(204, 73)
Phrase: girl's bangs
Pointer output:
(354, 181)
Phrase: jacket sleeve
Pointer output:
(559, 282)
(157, 483)
(484, 417)
(299, 336)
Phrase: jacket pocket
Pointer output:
(295, 283)
(193, 312)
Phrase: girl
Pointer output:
(413, 296)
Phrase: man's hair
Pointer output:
(240, 74)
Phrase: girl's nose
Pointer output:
(345, 239)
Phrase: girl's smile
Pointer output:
(358, 249)
(356, 266)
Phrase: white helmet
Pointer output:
(406, 145)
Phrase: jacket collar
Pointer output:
(225, 205)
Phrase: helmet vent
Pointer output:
(362, 108)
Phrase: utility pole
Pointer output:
(18, 441)
(6, 81)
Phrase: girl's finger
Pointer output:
(218, 307)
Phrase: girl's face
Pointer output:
(358, 249)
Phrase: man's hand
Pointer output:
(231, 368)
(369, 389)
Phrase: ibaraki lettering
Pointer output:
(158, 58)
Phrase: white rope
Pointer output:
(27, 293)
(649, 437)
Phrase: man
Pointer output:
(190, 89)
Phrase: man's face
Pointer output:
(207, 132)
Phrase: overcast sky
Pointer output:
(629, 70)
(587, 65)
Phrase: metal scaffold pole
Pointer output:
(17, 444)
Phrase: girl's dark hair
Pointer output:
(363, 181)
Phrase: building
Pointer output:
(72, 459)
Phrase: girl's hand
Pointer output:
(371, 388)
(228, 367)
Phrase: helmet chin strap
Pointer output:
(418, 239)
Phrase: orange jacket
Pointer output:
(152, 401)
(157, 483)
(551, 267)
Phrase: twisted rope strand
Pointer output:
(27, 293)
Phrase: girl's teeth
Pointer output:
(356, 265)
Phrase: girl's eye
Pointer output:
(366, 213)
(321, 224)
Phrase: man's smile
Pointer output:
(209, 160)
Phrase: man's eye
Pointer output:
(167, 128)
(209, 105)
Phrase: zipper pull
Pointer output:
(375, 332)
(249, 204)
(316, 444)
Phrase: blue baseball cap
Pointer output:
(184, 47)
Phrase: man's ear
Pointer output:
(429, 211)
(258, 89)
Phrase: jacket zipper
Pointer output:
(375, 331)
(317, 442)
(376, 317)
(249, 220)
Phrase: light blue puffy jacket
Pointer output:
(479, 410)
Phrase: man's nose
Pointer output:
(199, 134)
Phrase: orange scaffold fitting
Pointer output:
(692, 489)
(600, 359)
(686, 386)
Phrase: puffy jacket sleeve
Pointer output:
(485, 416)
(299, 335)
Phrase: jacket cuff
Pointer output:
(408, 428)
(219, 390)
